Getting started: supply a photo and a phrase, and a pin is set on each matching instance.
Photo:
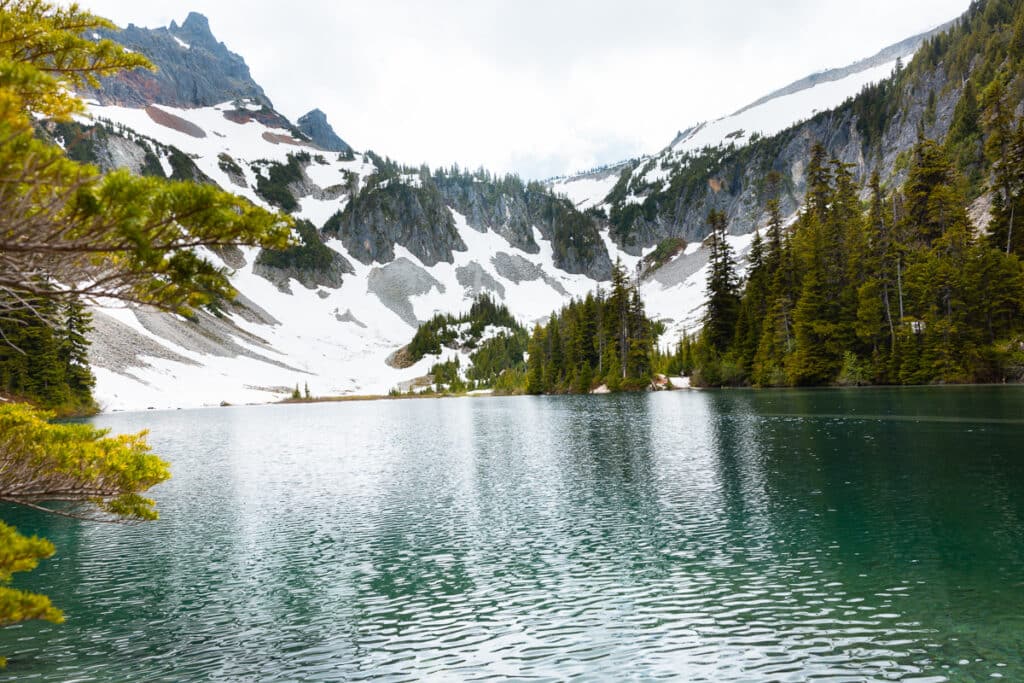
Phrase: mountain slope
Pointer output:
(387, 247)
(315, 126)
(766, 116)
(722, 164)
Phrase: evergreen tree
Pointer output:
(602, 338)
(722, 289)
(535, 374)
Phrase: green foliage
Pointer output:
(666, 250)
(723, 288)
(905, 292)
(75, 463)
(498, 355)
(228, 165)
(605, 338)
(1004, 146)
(964, 143)
(274, 186)
(183, 168)
(442, 331)
(22, 554)
(448, 377)
(854, 372)
(309, 254)
(44, 356)
(490, 357)
(68, 232)
(511, 382)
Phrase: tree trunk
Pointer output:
(888, 316)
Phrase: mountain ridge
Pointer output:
(419, 242)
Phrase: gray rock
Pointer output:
(203, 74)
(395, 283)
(231, 255)
(476, 280)
(515, 268)
(513, 210)
(249, 311)
(207, 334)
(314, 124)
(118, 348)
(378, 218)
(681, 268)
(115, 152)
(347, 317)
(331, 277)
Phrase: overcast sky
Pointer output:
(540, 87)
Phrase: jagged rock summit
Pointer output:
(194, 69)
(314, 124)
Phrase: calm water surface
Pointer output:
(720, 536)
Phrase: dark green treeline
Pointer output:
(606, 338)
(902, 291)
(44, 355)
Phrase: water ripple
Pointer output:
(707, 537)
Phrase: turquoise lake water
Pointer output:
(873, 534)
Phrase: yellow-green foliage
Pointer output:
(21, 554)
(45, 55)
(69, 232)
(75, 463)
(128, 236)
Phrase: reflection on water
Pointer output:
(721, 536)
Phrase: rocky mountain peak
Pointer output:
(314, 124)
(197, 23)
(194, 69)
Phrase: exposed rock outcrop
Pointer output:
(314, 125)
(194, 68)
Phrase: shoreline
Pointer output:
(367, 398)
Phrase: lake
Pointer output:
(870, 534)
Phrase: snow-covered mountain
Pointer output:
(764, 117)
(403, 243)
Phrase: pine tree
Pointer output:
(998, 118)
(722, 288)
(535, 367)
(613, 376)
(74, 353)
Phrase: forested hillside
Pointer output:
(905, 288)
(44, 355)
(604, 339)
(483, 348)
(906, 293)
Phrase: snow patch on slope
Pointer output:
(776, 115)
(336, 340)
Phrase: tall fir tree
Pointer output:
(723, 299)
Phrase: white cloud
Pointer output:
(535, 87)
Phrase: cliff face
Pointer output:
(194, 69)
(414, 211)
(315, 126)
